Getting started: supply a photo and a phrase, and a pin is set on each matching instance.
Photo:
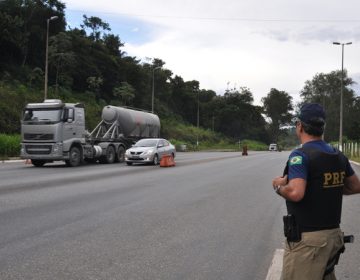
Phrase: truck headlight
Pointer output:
(22, 151)
(58, 148)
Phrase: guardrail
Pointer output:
(350, 149)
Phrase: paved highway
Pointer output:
(213, 216)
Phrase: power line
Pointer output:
(231, 18)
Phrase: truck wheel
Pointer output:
(110, 155)
(74, 157)
(120, 157)
(38, 162)
(156, 159)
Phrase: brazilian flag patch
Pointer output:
(296, 160)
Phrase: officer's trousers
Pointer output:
(307, 259)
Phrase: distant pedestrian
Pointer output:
(316, 178)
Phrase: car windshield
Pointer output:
(38, 115)
(146, 143)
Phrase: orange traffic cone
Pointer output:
(167, 161)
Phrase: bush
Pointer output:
(180, 133)
(9, 145)
(255, 145)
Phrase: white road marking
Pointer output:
(274, 272)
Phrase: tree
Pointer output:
(235, 116)
(23, 31)
(277, 107)
(113, 44)
(94, 84)
(11, 38)
(325, 89)
(95, 24)
(61, 57)
(125, 92)
(36, 77)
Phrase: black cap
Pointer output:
(313, 114)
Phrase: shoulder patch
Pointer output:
(295, 160)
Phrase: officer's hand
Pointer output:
(279, 181)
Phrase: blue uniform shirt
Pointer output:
(299, 162)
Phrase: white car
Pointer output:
(273, 147)
(149, 150)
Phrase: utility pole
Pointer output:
(47, 55)
(341, 93)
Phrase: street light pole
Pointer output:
(47, 54)
(198, 117)
(341, 93)
(153, 88)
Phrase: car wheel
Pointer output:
(156, 159)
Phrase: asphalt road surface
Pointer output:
(213, 216)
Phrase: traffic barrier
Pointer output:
(167, 161)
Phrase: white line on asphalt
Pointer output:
(274, 272)
(354, 162)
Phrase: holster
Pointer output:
(334, 261)
(291, 229)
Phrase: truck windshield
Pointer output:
(42, 115)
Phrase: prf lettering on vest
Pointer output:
(334, 179)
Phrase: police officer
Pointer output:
(317, 177)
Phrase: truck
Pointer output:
(55, 131)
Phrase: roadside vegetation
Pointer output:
(9, 146)
(87, 64)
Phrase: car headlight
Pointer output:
(149, 152)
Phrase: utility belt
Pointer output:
(292, 230)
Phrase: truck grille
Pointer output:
(38, 136)
(38, 149)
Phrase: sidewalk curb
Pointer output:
(11, 160)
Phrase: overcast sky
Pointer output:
(232, 43)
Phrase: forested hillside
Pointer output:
(87, 64)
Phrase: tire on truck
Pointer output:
(109, 156)
(75, 157)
